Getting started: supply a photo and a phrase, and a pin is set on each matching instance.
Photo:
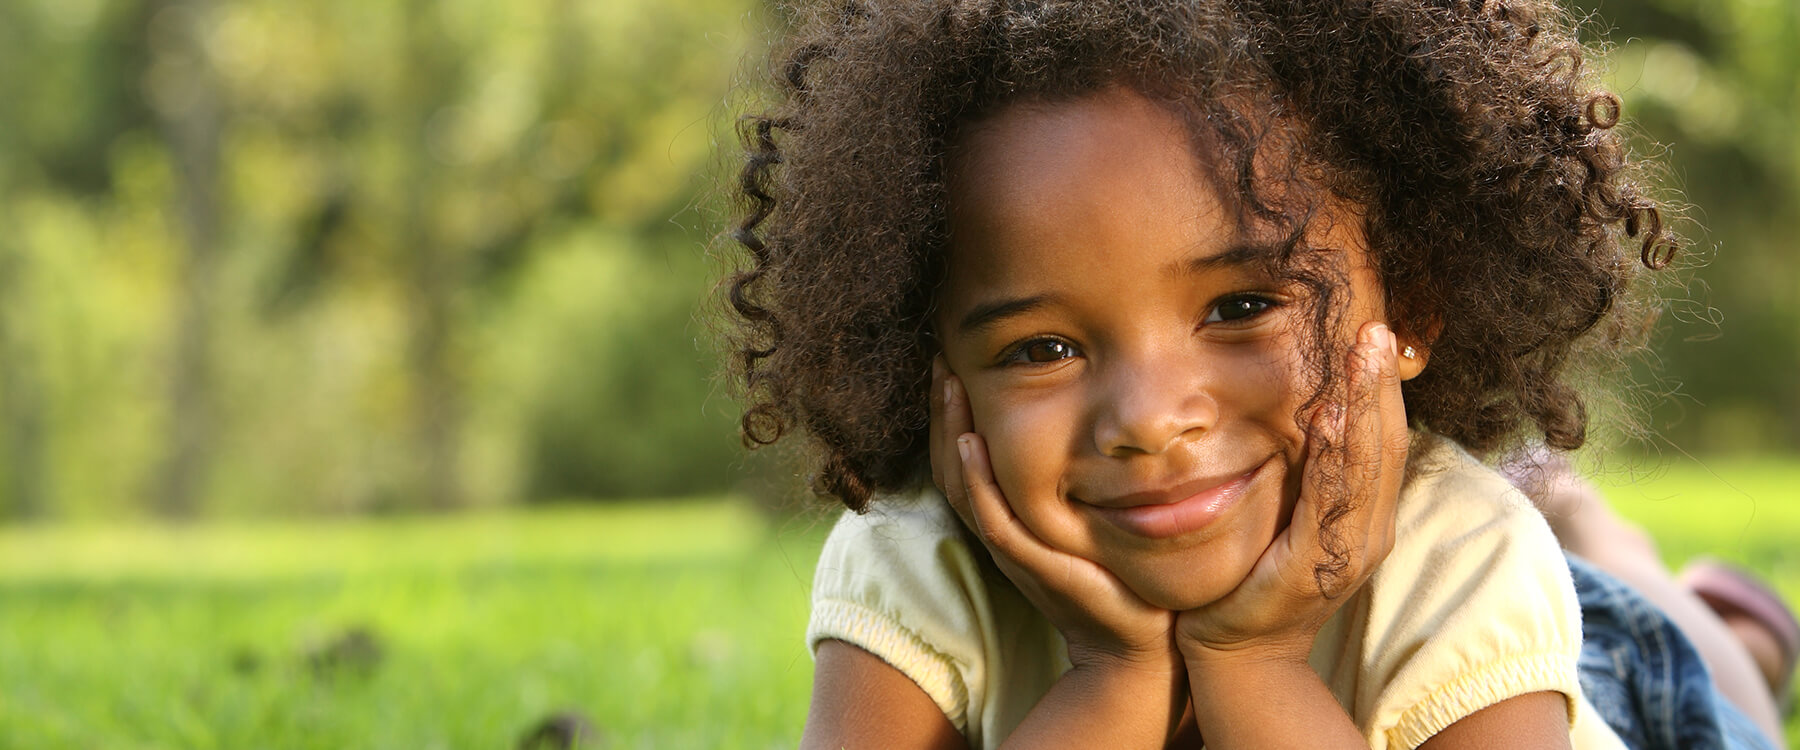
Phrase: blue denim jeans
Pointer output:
(1645, 677)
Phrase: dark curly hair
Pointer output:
(1500, 207)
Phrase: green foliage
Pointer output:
(456, 245)
(592, 340)
(1714, 84)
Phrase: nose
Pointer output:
(1144, 408)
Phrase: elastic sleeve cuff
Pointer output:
(1507, 678)
(883, 636)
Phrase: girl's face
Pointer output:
(1135, 375)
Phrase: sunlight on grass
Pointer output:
(1743, 510)
(643, 531)
(669, 624)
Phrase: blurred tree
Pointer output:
(1719, 84)
(270, 257)
(64, 80)
(186, 98)
(21, 397)
(21, 392)
(430, 264)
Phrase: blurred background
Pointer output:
(265, 257)
(344, 257)
(266, 264)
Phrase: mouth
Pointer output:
(1178, 511)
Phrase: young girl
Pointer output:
(1150, 340)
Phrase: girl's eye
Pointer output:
(1042, 351)
(1234, 309)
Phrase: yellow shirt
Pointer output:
(1474, 605)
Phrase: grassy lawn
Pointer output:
(669, 625)
(1740, 510)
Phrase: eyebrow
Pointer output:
(988, 313)
(1238, 254)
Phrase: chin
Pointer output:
(1176, 598)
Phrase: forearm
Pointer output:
(1253, 701)
(1103, 707)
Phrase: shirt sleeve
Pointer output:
(899, 583)
(1474, 605)
(906, 583)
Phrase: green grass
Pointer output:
(670, 624)
(1742, 510)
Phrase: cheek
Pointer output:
(1262, 388)
(1029, 439)
(1265, 383)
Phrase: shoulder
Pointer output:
(904, 583)
(903, 548)
(1454, 510)
(1465, 537)
(1474, 605)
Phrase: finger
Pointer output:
(941, 442)
(1374, 448)
(1396, 443)
(1085, 594)
(1362, 411)
(1323, 479)
(993, 519)
(1340, 491)
(956, 421)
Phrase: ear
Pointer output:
(1415, 350)
(1413, 356)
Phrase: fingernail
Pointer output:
(1384, 338)
(962, 446)
(949, 390)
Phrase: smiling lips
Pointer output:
(1165, 515)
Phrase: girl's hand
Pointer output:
(1105, 623)
(1356, 459)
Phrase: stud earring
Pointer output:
(1409, 352)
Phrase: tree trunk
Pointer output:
(21, 387)
(191, 121)
(437, 407)
(432, 272)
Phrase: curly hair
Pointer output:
(1506, 221)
